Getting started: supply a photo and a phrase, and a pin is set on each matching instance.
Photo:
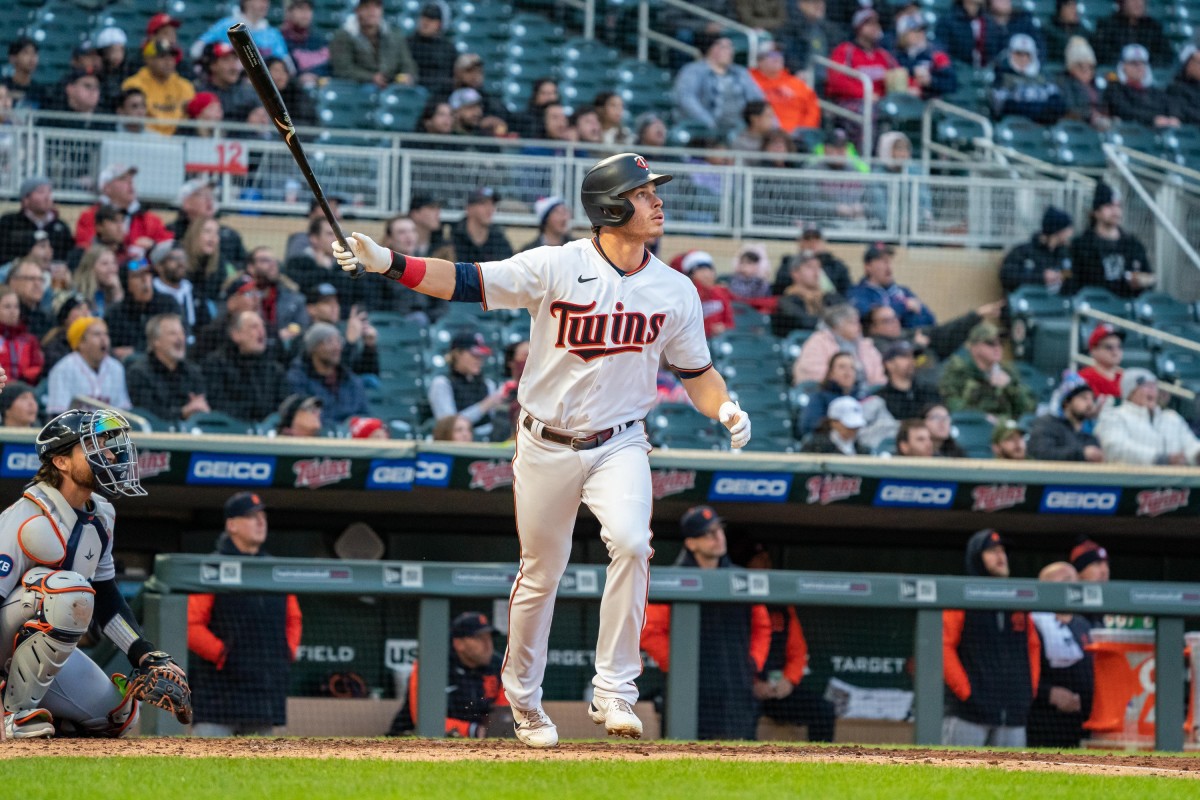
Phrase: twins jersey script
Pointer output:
(597, 335)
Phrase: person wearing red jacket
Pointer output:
(20, 352)
(863, 53)
(734, 637)
(716, 302)
(143, 229)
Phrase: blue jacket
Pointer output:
(944, 82)
(954, 35)
(865, 297)
(340, 401)
(268, 38)
(1029, 96)
(698, 98)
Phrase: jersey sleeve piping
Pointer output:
(482, 293)
(691, 373)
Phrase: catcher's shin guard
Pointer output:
(60, 608)
(115, 724)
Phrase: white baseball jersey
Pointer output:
(597, 334)
(42, 530)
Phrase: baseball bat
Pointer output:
(268, 93)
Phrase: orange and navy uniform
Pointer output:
(991, 661)
(471, 695)
(656, 635)
(786, 630)
(204, 643)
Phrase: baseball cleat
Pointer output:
(36, 724)
(617, 717)
(534, 728)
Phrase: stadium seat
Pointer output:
(534, 29)
(1133, 136)
(901, 112)
(748, 319)
(973, 432)
(479, 10)
(1097, 298)
(148, 421)
(958, 133)
(1041, 384)
(1050, 345)
(217, 423)
(1023, 135)
(792, 344)
(589, 52)
(399, 107)
(1161, 308)
(1178, 365)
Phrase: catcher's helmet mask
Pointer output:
(104, 436)
(608, 180)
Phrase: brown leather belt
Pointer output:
(567, 439)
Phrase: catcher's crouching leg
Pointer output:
(57, 606)
(98, 706)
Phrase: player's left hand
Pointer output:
(159, 681)
(737, 421)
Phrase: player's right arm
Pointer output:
(435, 277)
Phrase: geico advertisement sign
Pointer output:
(20, 461)
(1099, 500)
(915, 494)
(751, 487)
(401, 474)
(230, 470)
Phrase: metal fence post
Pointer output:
(1168, 683)
(683, 681)
(165, 624)
(433, 649)
(927, 684)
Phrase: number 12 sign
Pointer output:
(220, 156)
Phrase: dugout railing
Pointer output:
(435, 584)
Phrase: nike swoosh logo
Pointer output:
(585, 280)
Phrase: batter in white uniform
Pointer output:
(603, 311)
(57, 574)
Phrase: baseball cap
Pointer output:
(1102, 332)
(30, 185)
(320, 291)
(472, 341)
(64, 304)
(1022, 43)
(697, 520)
(419, 201)
(468, 61)
(243, 504)
(220, 50)
(1085, 553)
(877, 250)
(862, 17)
(363, 427)
(112, 172)
(295, 403)
(695, 260)
(1131, 379)
(1074, 389)
(811, 233)
(109, 37)
(189, 188)
(1006, 428)
(200, 101)
(242, 283)
(993, 539)
(848, 411)
(160, 21)
(466, 96)
(159, 47)
(77, 74)
(83, 48)
(1135, 52)
(482, 194)
(983, 332)
(469, 623)
(431, 11)
(837, 137)
(160, 251)
(910, 22)
(898, 348)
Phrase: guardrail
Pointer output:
(435, 583)
(865, 120)
(1134, 327)
(645, 34)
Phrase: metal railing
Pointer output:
(865, 120)
(929, 145)
(1080, 358)
(646, 34)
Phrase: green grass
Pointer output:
(305, 779)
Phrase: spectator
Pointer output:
(308, 48)
(716, 303)
(368, 428)
(81, 97)
(991, 661)
(127, 319)
(319, 371)
(1045, 258)
(837, 432)
(734, 637)
(841, 332)
(474, 694)
(453, 428)
(1081, 90)
(243, 380)
(585, 126)
(611, 108)
(368, 50)
(841, 380)
(963, 33)
(475, 238)
(143, 229)
(941, 433)
(863, 53)
(1019, 88)
(1140, 432)
(208, 266)
(35, 247)
(1133, 97)
(1128, 25)
(913, 439)
(554, 223)
(979, 381)
(1106, 346)
(1063, 701)
(68, 307)
(360, 354)
(793, 101)
(1065, 25)
(29, 281)
(20, 352)
(88, 372)
(762, 15)
(162, 380)
(163, 26)
(468, 73)
(516, 354)
(837, 274)
(1106, 255)
(1065, 437)
(300, 415)
(1003, 22)
(221, 75)
(695, 30)
(528, 123)
(466, 106)
(930, 73)
(23, 57)
(836, 197)
(432, 51)
(465, 390)
(712, 90)
(131, 104)
(437, 118)
(196, 201)
(426, 214)
(297, 242)
(97, 278)
(895, 156)
(400, 234)
(878, 287)
(1090, 561)
(650, 130)
(316, 265)
(205, 108)
(252, 14)
(748, 284)
(808, 33)
(18, 405)
(167, 93)
(282, 303)
(760, 120)
(1009, 441)
(243, 643)
(37, 213)
(903, 396)
(1185, 89)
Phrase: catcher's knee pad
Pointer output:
(60, 607)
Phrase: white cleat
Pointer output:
(36, 724)
(617, 717)
(534, 728)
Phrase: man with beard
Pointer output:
(1107, 255)
(319, 372)
(1063, 438)
(163, 381)
(170, 268)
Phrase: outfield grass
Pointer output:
(308, 779)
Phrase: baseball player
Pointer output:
(604, 310)
(57, 576)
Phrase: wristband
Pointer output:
(408, 271)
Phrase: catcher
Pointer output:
(57, 577)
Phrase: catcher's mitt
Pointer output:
(159, 681)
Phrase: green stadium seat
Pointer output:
(973, 432)
(217, 423)
(958, 133)
(792, 344)
(1023, 135)
(532, 29)
(148, 422)
(901, 112)
(1097, 298)
(1050, 342)
(589, 52)
(687, 133)
(1038, 382)
(399, 107)
(1160, 307)
(1178, 365)
(1133, 136)
(483, 10)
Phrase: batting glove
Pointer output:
(363, 250)
(738, 423)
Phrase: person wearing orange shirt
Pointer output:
(734, 637)
(794, 101)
